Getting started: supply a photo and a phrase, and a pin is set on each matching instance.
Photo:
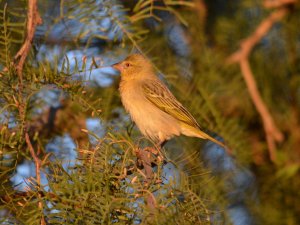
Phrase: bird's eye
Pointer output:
(127, 65)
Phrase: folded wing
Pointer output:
(161, 97)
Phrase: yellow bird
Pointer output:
(151, 105)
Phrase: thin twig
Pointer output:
(277, 3)
(33, 19)
(145, 156)
(262, 29)
(273, 134)
(37, 163)
(201, 10)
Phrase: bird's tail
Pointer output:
(204, 135)
(194, 132)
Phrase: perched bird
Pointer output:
(151, 105)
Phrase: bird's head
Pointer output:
(134, 66)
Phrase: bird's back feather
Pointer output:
(161, 97)
(157, 93)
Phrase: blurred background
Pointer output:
(233, 64)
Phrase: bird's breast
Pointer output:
(151, 121)
(135, 102)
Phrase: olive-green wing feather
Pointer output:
(161, 97)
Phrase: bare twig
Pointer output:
(262, 29)
(277, 3)
(33, 19)
(201, 10)
(273, 134)
(145, 156)
(37, 163)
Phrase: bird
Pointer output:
(153, 108)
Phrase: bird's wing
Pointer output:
(158, 94)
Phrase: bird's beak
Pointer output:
(117, 66)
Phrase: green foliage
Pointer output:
(99, 191)
(96, 190)
(12, 23)
(105, 185)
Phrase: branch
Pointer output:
(33, 19)
(145, 158)
(277, 3)
(37, 163)
(201, 10)
(273, 134)
(262, 29)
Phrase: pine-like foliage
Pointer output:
(65, 85)
(105, 186)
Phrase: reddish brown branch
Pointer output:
(273, 134)
(37, 163)
(146, 158)
(262, 29)
(201, 10)
(277, 3)
(33, 19)
(34, 156)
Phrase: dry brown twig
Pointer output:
(33, 19)
(145, 156)
(37, 163)
(273, 134)
(262, 29)
(269, 4)
(201, 10)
